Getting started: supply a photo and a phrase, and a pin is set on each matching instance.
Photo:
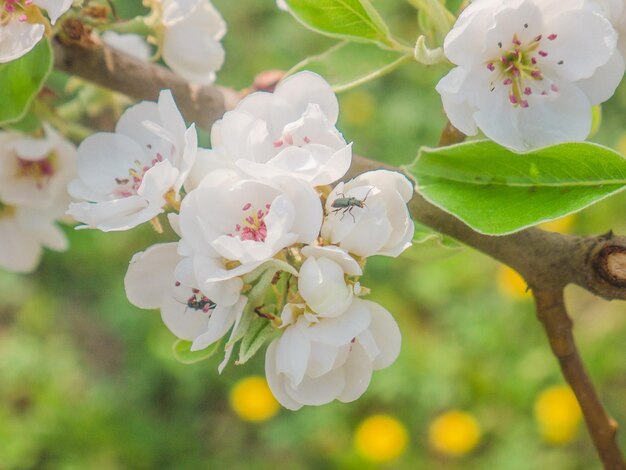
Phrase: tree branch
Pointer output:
(547, 261)
(553, 315)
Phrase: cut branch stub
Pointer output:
(609, 262)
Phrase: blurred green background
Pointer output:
(88, 381)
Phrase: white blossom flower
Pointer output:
(529, 70)
(321, 280)
(20, 26)
(131, 44)
(282, 5)
(248, 220)
(316, 363)
(25, 231)
(160, 278)
(34, 172)
(125, 177)
(288, 133)
(368, 215)
(190, 39)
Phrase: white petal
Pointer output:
(150, 275)
(275, 381)
(358, 373)
(16, 39)
(55, 8)
(131, 44)
(386, 333)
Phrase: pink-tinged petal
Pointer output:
(150, 275)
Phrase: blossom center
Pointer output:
(518, 67)
(253, 226)
(290, 140)
(129, 185)
(11, 8)
(38, 170)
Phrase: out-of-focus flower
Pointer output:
(131, 44)
(368, 215)
(20, 24)
(252, 400)
(25, 231)
(126, 177)
(529, 71)
(558, 414)
(318, 360)
(191, 31)
(290, 132)
(512, 284)
(381, 438)
(35, 172)
(454, 433)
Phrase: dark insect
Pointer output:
(200, 303)
(345, 204)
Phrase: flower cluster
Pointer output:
(22, 25)
(34, 173)
(529, 71)
(267, 248)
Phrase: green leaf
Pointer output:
(496, 191)
(183, 353)
(356, 20)
(21, 80)
(27, 124)
(260, 332)
(349, 64)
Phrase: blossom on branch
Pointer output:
(127, 177)
(529, 71)
(290, 132)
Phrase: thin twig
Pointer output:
(553, 315)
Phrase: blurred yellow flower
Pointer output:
(252, 399)
(558, 414)
(512, 284)
(562, 225)
(358, 107)
(380, 438)
(454, 433)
